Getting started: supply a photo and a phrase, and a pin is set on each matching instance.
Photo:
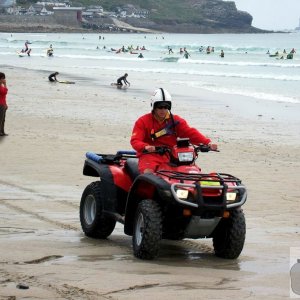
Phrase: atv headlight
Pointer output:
(186, 156)
(230, 196)
(182, 194)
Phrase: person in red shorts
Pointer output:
(161, 127)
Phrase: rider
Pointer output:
(119, 81)
(161, 127)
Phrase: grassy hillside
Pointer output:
(161, 10)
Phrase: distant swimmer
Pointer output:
(170, 50)
(222, 53)
(124, 79)
(52, 77)
(140, 55)
(186, 54)
(50, 51)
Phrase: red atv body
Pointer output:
(176, 201)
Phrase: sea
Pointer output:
(247, 69)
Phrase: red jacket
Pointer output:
(3, 92)
(147, 125)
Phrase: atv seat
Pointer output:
(131, 166)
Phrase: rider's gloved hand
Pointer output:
(149, 148)
(213, 147)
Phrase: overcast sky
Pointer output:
(272, 14)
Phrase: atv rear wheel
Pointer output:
(93, 222)
(147, 231)
(229, 235)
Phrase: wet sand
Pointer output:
(51, 126)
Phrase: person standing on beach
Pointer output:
(52, 77)
(3, 105)
(161, 127)
(124, 79)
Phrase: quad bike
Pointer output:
(177, 201)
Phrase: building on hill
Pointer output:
(69, 16)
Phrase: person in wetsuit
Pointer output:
(124, 79)
(52, 77)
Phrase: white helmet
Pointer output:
(161, 96)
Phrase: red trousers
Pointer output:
(151, 161)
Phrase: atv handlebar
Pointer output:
(204, 148)
(165, 149)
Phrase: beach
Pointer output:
(52, 126)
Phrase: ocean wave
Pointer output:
(242, 92)
(211, 73)
(240, 63)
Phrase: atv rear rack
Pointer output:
(110, 158)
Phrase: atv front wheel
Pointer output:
(147, 231)
(93, 222)
(229, 235)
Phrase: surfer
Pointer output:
(222, 53)
(52, 77)
(140, 55)
(124, 79)
(26, 50)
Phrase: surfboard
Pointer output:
(124, 86)
(66, 81)
(21, 54)
(170, 59)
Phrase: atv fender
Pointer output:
(103, 171)
(92, 168)
(145, 186)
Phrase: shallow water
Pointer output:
(246, 69)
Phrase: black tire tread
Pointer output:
(152, 235)
(229, 236)
(102, 226)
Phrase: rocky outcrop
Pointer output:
(209, 16)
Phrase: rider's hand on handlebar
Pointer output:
(149, 148)
(213, 147)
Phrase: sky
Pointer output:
(272, 14)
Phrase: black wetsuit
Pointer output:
(52, 77)
(119, 81)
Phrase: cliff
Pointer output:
(178, 16)
(189, 16)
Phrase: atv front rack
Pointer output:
(217, 177)
(216, 181)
